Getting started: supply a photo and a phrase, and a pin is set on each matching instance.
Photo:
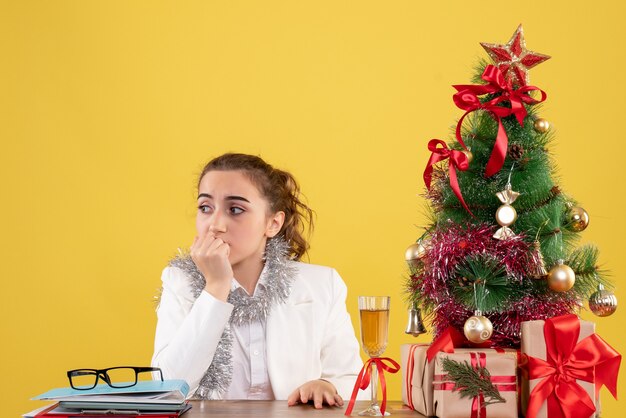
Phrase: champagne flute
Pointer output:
(374, 311)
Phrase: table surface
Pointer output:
(218, 409)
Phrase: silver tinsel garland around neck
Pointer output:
(278, 273)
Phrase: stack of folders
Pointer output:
(154, 399)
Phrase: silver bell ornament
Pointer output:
(415, 325)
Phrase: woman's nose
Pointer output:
(217, 224)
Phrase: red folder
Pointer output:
(47, 413)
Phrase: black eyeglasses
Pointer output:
(116, 377)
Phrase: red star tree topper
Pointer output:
(513, 59)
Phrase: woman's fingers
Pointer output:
(329, 398)
(205, 242)
(214, 245)
(317, 392)
(318, 398)
(207, 247)
(193, 244)
(304, 395)
(293, 397)
(211, 254)
(196, 249)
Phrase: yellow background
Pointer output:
(108, 110)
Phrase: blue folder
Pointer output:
(146, 392)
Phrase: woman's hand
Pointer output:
(210, 255)
(319, 391)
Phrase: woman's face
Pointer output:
(232, 208)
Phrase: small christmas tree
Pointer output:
(501, 246)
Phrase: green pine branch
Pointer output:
(583, 261)
(482, 283)
(471, 382)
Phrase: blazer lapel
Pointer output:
(290, 352)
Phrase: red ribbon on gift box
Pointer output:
(409, 375)
(365, 375)
(451, 338)
(502, 383)
(467, 99)
(569, 360)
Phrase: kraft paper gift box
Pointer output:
(448, 403)
(417, 378)
(533, 344)
(417, 374)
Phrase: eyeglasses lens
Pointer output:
(83, 379)
(121, 377)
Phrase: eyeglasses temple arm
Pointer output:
(149, 369)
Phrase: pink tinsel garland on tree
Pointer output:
(449, 246)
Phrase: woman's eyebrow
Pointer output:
(227, 197)
(237, 198)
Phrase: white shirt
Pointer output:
(250, 378)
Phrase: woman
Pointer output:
(240, 317)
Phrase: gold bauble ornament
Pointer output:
(561, 277)
(541, 125)
(478, 328)
(602, 302)
(577, 219)
(414, 252)
(469, 155)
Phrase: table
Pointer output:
(270, 409)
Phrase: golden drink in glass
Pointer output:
(374, 331)
(374, 311)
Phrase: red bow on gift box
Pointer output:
(502, 384)
(568, 360)
(467, 99)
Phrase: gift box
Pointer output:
(418, 372)
(567, 363)
(417, 378)
(502, 367)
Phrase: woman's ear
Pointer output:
(274, 224)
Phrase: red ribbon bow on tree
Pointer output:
(365, 375)
(458, 160)
(568, 360)
(467, 99)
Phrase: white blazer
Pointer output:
(308, 337)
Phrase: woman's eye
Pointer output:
(236, 211)
(204, 208)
